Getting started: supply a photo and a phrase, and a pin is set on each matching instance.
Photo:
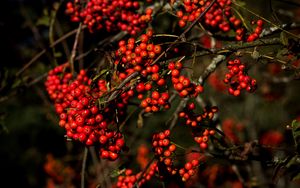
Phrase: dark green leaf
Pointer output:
(284, 39)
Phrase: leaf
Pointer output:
(3, 128)
(296, 133)
(58, 54)
(297, 177)
(284, 39)
(255, 54)
(16, 84)
(115, 173)
(281, 53)
(104, 71)
(43, 21)
(140, 120)
(293, 168)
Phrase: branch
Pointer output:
(37, 56)
(73, 53)
(272, 30)
(116, 92)
(174, 119)
(211, 68)
(144, 171)
(184, 32)
(83, 166)
(266, 20)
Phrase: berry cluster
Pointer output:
(154, 103)
(165, 153)
(130, 179)
(58, 172)
(219, 17)
(189, 170)
(142, 156)
(182, 84)
(232, 130)
(163, 149)
(76, 103)
(111, 15)
(133, 56)
(240, 33)
(198, 122)
(238, 78)
(137, 56)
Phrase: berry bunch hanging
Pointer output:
(183, 85)
(238, 79)
(110, 15)
(219, 17)
(128, 180)
(76, 103)
(200, 123)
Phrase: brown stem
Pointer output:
(83, 166)
(184, 32)
(37, 56)
(180, 106)
(73, 53)
(211, 68)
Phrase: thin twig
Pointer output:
(37, 56)
(211, 68)
(115, 93)
(73, 53)
(60, 33)
(275, 29)
(174, 119)
(144, 171)
(83, 166)
(182, 36)
(266, 20)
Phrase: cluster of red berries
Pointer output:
(189, 169)
(219, 17)
(111, 15)
(204, 138)
(240, 32)
(214, 17)
(232, 130)
(182, 84)
(198, 122)
(129, 179)
(133, 56)
(157, 100)
(238, 79)
(165, 153)
(58, 172)
(193, 119)
(163, 149)
(76, 104)
(137, 56)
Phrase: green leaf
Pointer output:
(115, 173)
(255, 55)
(296, 131)
(17, 83)
(281, 53)
(140, 120)
(297, 177)
(58, 54)
(43, 21)
(104, 71)
(284, 39)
